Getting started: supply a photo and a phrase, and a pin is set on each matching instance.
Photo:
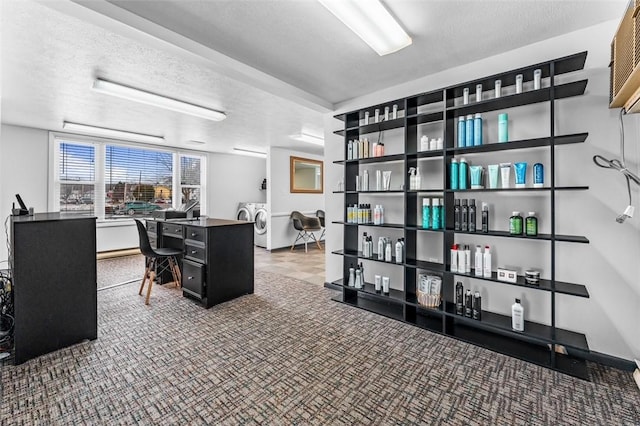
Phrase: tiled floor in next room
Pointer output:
(297, 264)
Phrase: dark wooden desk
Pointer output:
(218, 256)
(53, 263)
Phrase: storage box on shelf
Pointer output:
(546, 345)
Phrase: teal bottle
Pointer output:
(426, 214)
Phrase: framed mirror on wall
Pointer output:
(305, 175)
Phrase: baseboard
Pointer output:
(604, 359)
(117, 253)
(332, 286)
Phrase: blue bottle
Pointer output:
(426, 214)
(462, 138)
(435, 214)
(463, 174)
(453, 174)
(477, 130)
(442, 215)
(469, 131)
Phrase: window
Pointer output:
(118, 180)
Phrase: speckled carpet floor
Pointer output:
(289, 355)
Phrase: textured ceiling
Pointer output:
(302, 43)
(273, 66)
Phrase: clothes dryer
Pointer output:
(261, 225)
(246, 211)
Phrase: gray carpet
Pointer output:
(119, 269)
(289, 355)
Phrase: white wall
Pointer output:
(608, 266)
(231, 180)
(24, 164)
(281, 202)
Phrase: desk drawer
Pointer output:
(152, 227)
(153, 241)
(193, 279)
(195, 252)
(172, 230)
(195, 233)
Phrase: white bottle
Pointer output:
(478, 263)
(381, 215)
(467, 259)
(424, 143)
(417, 181)
(352, 277)
(387, 251)
(454, 258)
(358, 278)
(517, 316)
(487, 262)
(399, 256)
(365, 181)
(461, 260)
(381, 248)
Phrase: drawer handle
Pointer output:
(194, 251)
(193, 234)
(189, 278)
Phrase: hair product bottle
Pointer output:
(459, 298)
(517, 316)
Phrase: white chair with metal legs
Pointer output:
(306, 226)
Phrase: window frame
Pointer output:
(100, 145)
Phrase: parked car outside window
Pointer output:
(137, 207)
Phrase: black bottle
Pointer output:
(464, 217)
(459, 299)
(468, 304)
(472, 215)
(456, 215)
(485, 218)
(477, 306)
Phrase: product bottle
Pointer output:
(381, 215)
(399, 254)
(350, 150)
(531, 225)
(412, 178)
(477, 130)
(477, 306)
(469, 131)
(417, 179)
(465, 96)
(358, 278)
(462, 262)
(454, 174)
(467, 259)
(503, 127)
(454, 258)
(385, 286)
(517, 316)
(472, 215)
(485, 218)
(381, 248)
(468, 304)
(463, 173)
(435, 214)
(378, 283)
(515, 224)
(365, 181)
(459, 298)
(479, 262)
(352, 276)
(426, 213)
(462, 138)
(387, 251)
(486, 271)
(464, 216)
(442, 214)
(456, 214)
(378, 180)
(365, 251)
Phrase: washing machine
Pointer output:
(246, 211)
(260, 226)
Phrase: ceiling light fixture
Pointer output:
(250, 153)
(148, 98)
(111, 133)
(306, 137)
(371, 22)
(195, 142)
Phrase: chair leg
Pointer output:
(172, 266)
(151, 278)
(297, 238)
(317, 241)
(149, 264)
(178, 272)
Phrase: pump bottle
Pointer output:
(517, 316)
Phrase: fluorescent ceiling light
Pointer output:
(148, 98)
(194, 142)
(371, 22)
(111, 133)
(306, 137)
(250, 153)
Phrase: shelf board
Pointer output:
(359, 255)
(417, 191)
(544, 285)
(561, 91)
(385, 225)
(382, 159)
(420, 228)
(428, 117)
(533, 332)
(546, 237)
(426, 154)
(521, 144)
(423, 264)
(427, 319)
(557, 188)
(384, 308)
(370, 289)
(392, 191)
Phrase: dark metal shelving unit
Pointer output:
(539, 343)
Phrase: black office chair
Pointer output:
(320, 216)
(151, 260)
(306, 226)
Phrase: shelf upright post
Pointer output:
(552, 153)
(350, 233)
(448, 238)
